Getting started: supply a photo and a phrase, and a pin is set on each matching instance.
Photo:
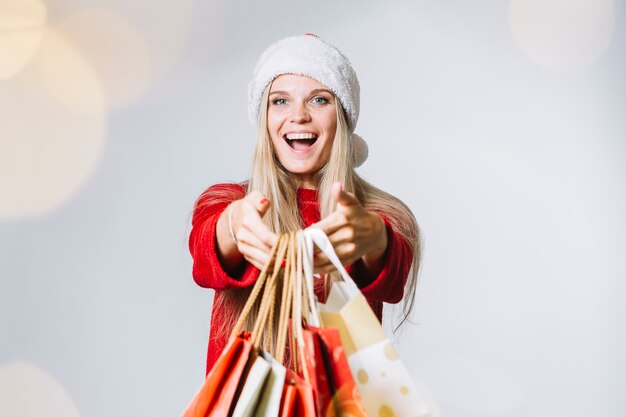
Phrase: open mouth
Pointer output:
(300, 141)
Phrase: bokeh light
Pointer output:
(22, 23)
(27, 391)
(52, 130)
(116, 50)
(562, 34)
(168, 25)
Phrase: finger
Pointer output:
(255, 256)
(343, 245)
(255, 226)
(324, 263)
(331, 223)
(346, 252)
(259, 202)
(323, 269)
(262, 206)
(342, 252)
(320, 259)
(342, 197)
(343, 235)
(329, 267)
(252, 239)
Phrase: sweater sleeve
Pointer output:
(388, 286)
(208, 270)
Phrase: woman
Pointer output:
(304, 100)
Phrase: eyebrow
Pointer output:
(322, 90)
(316, 91)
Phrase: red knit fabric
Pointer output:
(208, 272)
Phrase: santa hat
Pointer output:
(312, 57)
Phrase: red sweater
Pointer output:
(208, 272)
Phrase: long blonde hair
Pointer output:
(270, 178)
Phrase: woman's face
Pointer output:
(301, 121)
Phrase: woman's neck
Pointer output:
(305, 181)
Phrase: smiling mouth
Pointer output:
(300, 141)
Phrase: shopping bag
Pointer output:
(333, 385)
(217, 394)
(237, 383)
(252, 388)
(313, 362)
(337, 393)
(297, 397)
(380, 375)
(267, 389)
(269, 399)
(382, 378)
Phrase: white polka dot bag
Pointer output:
(387, 389)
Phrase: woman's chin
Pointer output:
(301, 168)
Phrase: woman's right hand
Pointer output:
(254, 238)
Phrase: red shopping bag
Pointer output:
(335, 390)
(216, 396)
(297, 397)
(317, 374)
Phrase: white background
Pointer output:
(502, 124)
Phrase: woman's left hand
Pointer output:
(354, 233)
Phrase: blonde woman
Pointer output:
(304, 100)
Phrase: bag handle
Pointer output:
(294, 252)
(298, 298)
(291, 306)
(266, 308)
(285, 305)
(317, 236)
(277, 254)
(306, 249)
(268, 301)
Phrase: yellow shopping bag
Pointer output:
(383, 380)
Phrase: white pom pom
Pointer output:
(359, 150)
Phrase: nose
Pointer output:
(300, 114)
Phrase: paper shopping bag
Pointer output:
(269, 401)
(252, 389)
(218, 392)
(236, 381)
(329, 373)
(380, 375)
(261, 393)
(336, 389)
(297, 397)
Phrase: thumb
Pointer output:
(342, 197)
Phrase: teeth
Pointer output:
(296, 136)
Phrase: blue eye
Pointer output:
(320, 100)
(279, 101)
